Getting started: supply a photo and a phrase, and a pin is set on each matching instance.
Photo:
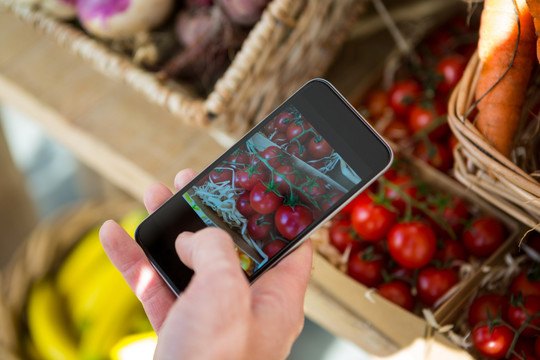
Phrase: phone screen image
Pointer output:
(271, 188)
(275, 186)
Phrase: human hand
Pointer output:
(218, 316)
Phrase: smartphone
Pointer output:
(274, 187)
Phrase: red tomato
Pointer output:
(376, 103)
(366, 267)
(434, 154)
(273, 247)
(450, 68)
(221, 175)
(264, 199)
(260, 226)
(433, 283)
(243, 205)
(396, 131)
(524, 348)
(238, 159)
(282, 173)
(280, 139)
(398, 292)
(291, 221)
(453, 211)
(527, 283)
(493, 342)
(523, 311)
(251, 175)
(372, 221)
(298, 150)
(452, 143)
(537, 347)
(329, 199)
(364, 196)
(312, 189)
(406, 186)
(318, 148)
(412, 244)
(342, 236)
(484, 236)
(299, 130)
(450, 251)
(429, 119)
(273, 155)
(282, 121)
(403, 95)
(270, 128)
(491, 303)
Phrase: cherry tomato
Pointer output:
(282, 121)
(484, 236)
(493, 342)
(537, 347)
(298, 150)
(441, 42)
(273, 155)
(398, 292)
(270, 128)
(282, 173)
(450, 251)
(342, 236)
(527, 283)
(243, 205)
(519, 313)
(260, 226)
(291, 221)
(372, 221)
(238, 159)
(429, 119)
(407, 186)
(221, 175)
(299, 130)
(403, 95)
(433, 283)
(524, 348)
(366, 267)
(494, 304)
(264, 199)
(318, 148)
(376, 103)
(453, 211)
(450, 68)
(251, 175)
(434, 154)
(396, 131)
(452, 143)
(412, 244)
(364, 196)
(312, 189)
(280, 139)
(273, 247)
(329, 199)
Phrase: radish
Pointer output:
(243, 12)
(60, 9)
(117, 19)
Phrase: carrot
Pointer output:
(499, 107)
(534, 8)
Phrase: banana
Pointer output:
(138, 346)
(48, 328)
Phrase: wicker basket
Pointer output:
(40, 255)
(482, 168)
(294, 41)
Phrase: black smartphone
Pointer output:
(275, 186)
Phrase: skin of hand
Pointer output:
(219, 315)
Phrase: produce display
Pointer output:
(272, 187)
(411, 110)
(192, 40)
(502, 321)
(86, 310)
(410, 240)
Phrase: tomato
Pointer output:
(441, 41)
(372, 221)
(433, 283)
(280, 139)
(450, 68)
(273, 247)
(282, 121)
(412, 244)
(220, 175)
(527, 283)
(429, 119)
(406, 185)
(238, 159)
(537, 347)
(342, 236)
(402, 96)
(483, 236)
(282, 173)
(270, 128)
(318, 148)
(312, 189)
(364, 196)
(292, 220)
(243, 205)
(452, 143)
(298, 150)
(251, 175)
(525, 348)
(273, 155)
(260, 226)
(366, 267)
(398, 292)
(453, 211)
(450, 251)
(522, 311)
(299, 130)
(434, 154)
(264, 199)
(494, 304)
(493, 342)
(376, 103)
(329, 199)
(396, 131)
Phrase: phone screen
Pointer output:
(273, 187)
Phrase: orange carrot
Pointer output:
(499, 111)
(534, 8)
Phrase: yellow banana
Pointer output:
(135, 347)
(48, 328)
